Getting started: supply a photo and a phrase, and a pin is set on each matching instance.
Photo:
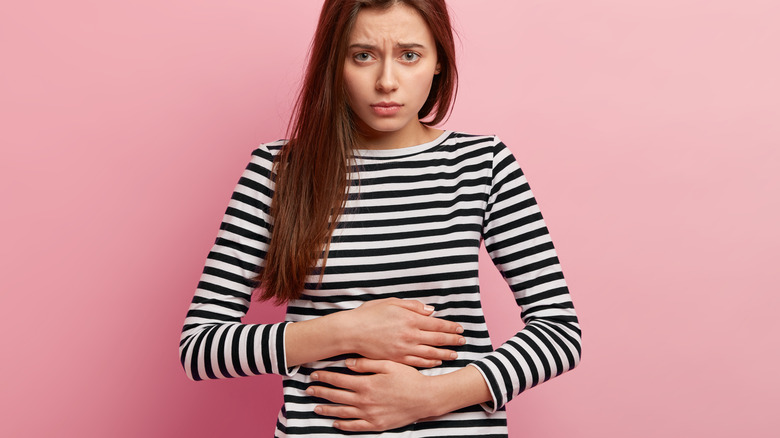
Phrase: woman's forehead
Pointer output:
(400, 24)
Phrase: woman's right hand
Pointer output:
(402, 331)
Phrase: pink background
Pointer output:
(650, 132)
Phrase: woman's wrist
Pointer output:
(458, 389)
(317, 339)
(343, 329)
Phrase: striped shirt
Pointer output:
(414, 221)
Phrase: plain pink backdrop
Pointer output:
(650, 132)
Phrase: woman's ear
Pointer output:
(438, 68)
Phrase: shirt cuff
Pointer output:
(491, 406)
(286, 370)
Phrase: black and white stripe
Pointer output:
(414, 221)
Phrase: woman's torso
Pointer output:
(411, 229)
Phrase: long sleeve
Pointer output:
(214, 343)
(517, 240)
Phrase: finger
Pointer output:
(344, 381)
(440, 339)
(355, 425)
(363, 365)
(419, 362)
(339, 411)
(434, 324)
(433, 353)
(415, 306)
(339, 396)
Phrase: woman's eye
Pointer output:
(410, 56)
(362, 57)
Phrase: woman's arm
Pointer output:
(399, 330)
(518, 241)
(394, 395)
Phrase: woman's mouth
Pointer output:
(386, 108)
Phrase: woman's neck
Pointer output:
(411, 135)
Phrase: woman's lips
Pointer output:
(386, 108)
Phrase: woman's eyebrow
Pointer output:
(397, 46)
(409, 46)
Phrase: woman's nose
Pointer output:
(387, 80)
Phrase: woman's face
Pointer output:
(390, 65)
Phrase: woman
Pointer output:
(384, 328)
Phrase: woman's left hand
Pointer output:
(393, 396)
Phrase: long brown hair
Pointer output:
(312, 168)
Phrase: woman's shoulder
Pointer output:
(265, 153)
(489, 146)
(464, 134)
(466, 137)
(459, 140)
(271, 148)
(262, 158)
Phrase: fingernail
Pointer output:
(453, 355)
(310, 391)
(459, 330)
(315, 376)
(462, 341)
(438, 362)
(318, 410)
(335, 424)
(350, 362)
(429, 308)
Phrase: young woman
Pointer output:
(367, 223)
